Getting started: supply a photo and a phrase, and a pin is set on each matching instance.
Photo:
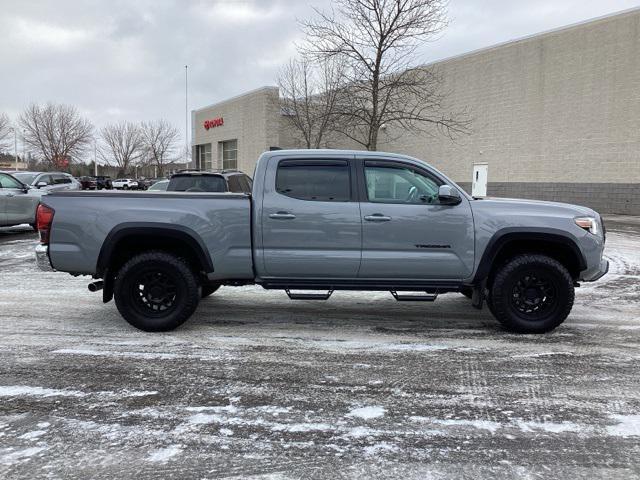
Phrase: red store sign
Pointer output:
(216, 122)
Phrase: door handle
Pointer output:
(377, 217)
(282, 216)
(10, 195)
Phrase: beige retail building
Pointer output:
(556, 116)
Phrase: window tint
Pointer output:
(196, 183)
(47, 179)
(390, 184)
(59, 179)
(246, 183)
(234, 184)
(327, 182)
(7, 182)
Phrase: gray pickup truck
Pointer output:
(325, 220)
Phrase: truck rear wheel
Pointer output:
(156, 291)
(532, 294)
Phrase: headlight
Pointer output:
(589, 224)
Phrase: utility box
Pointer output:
(480, 178)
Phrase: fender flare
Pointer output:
(152, 229)
(504, 236)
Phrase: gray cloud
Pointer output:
(125, 60)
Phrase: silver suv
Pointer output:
(48, 181)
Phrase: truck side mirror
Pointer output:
(447, 195)
(41, 184)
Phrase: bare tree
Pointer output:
(309, 95)
(159, 139)
(5, 131)
(122, 145)
(377, 40)
(57, 132)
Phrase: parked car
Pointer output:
(88, 183)
(125, 184)
(223, 181)
(160, 186)
(49, 181)
(327, 220)
(144, 183)
(103, 182)
(18, 202)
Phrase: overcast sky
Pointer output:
(124, 59)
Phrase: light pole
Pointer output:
(186, 117)
(15, 145)
(95, 157)
(23, 146)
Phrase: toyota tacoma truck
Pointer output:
(324, 220)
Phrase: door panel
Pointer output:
(21, 207)
(16, 206)
(311, 226)
(3, 207)
(407, 234)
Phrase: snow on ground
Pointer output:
(257, 386)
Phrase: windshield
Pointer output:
(197, 183)
(25, 177)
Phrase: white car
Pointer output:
(125, 184)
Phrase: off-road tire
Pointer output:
(156, 291)
(525, 280)
(209, 289)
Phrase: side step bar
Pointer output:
(309, 296)
(427, 297)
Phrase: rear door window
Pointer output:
(234, 184)
(323, 181)
(198, 183)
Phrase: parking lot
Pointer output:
(258, 386)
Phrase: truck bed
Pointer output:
(85, 221)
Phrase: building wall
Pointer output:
(556, 116)
(252, 119)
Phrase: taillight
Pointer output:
(44, 217)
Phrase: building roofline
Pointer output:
(235, 97)
(532, 36)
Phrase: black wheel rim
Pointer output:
(154, 293)
(534, 295)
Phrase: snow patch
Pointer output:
(478, 424)
(359, 432)
(628, 426)
(302, 427)
(11, 457)
(551, 427)
(32, 435)
(25, 390)
(111, 353)
(203, 419)
(227, 432)
(367, 413)
(216, 408)
(378, 448)
(164, 454)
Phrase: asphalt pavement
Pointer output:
(361, 386)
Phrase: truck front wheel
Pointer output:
(156, 291)
(532, 294)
